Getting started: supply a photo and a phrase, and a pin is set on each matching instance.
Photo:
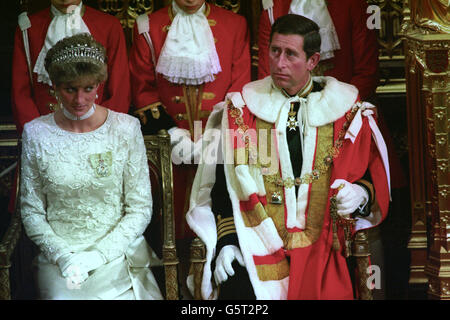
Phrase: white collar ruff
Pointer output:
(62, 25)
(317, 11)
(265, 100)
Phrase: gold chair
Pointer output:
(17, 250)
(9, 159)
(160, 164)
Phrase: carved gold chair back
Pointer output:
(11, 224)
(160, 164)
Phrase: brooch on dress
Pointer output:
(101, 163)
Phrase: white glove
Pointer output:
(184, 150)
(77, 266)
(224, 260)
(350, 197)
(70, 271)
(88, 260)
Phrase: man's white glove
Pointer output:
(76, 266)
(350, 197)
(184, 150)
(224, 260)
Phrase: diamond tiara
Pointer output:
(79, 52)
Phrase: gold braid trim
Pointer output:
(268, 272)
(225, 226)
(154, 109)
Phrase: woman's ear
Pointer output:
(313, 61)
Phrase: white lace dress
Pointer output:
(89, 191)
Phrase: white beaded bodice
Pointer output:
(84, 190)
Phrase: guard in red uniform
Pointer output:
(185, 58)
(32, 97)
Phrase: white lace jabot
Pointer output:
(189, 54)
(317, 11)
(62, 25)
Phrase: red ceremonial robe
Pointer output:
(298, 226)
(232, 42)
(113, 94)
(317, 271)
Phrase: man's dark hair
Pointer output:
(302, 26)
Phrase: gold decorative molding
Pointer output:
(126, 11)
(393, 14)
(428, 94)
(233, 5)
(198, 259)
(158, 153)
(431, 15)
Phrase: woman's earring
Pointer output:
(96, 96)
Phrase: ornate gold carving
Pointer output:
(392, 56)
(10, 152)
(233, 5)
(198, 259)
(428, 103)
(432, 14)
(360, 250)
(158, 152)
(126, 11)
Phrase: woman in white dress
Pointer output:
(85, 188)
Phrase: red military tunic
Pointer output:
(357, 60)
(232, 42)
(114, 93)
(231, 37)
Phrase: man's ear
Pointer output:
(313, 61)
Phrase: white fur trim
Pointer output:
(259, 180)
(248, 185)
(331, 103)
(236, 99)
(269, 235)
(200, 217)
(265, 100)
(286, 167)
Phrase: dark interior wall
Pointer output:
(9, 10)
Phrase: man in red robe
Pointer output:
(32, 97)
(349, 52)
(304, 152)
(184, 59)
